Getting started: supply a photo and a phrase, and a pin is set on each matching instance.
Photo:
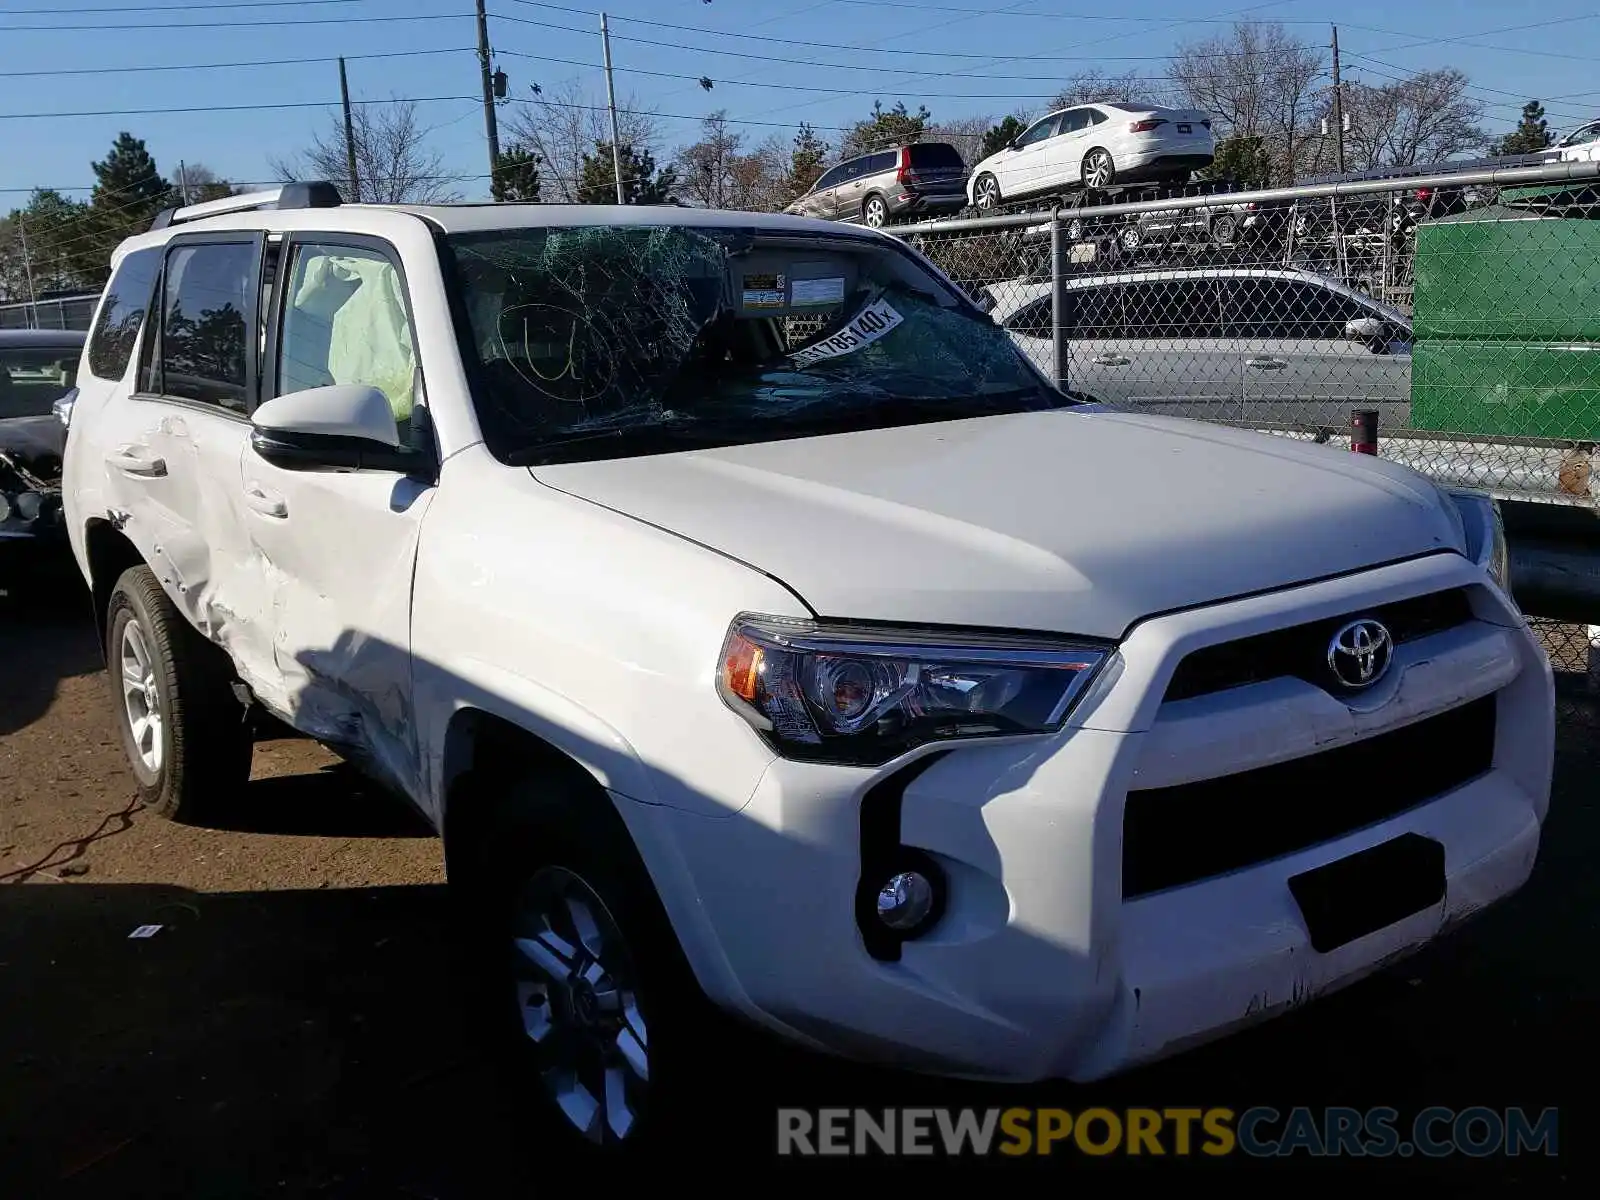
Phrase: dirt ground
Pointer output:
(291, 1029)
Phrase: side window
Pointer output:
(1100, 313)
(1072, 122)
(122, 315)
(882, 162)
(1037, 318)
(1287, 309)
(1096, 117)
(830, 177)
(206, 295)
(345, 321)
(854, 169)
(1039, 132)
(1175, 309)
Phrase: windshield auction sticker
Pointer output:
(870, 324)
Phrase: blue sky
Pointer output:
(1002, 46)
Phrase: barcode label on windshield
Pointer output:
(870, 324)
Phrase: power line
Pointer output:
(803, 87)
(1077, 16)
(365, 20)
(212, 66)
(149, 8)
(145, 112)
(896, 52)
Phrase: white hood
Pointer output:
(1077, 521)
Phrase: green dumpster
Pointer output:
(1506, 324)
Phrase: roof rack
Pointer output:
(289, 195)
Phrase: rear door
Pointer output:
(874, 173)
(1063, 153)
(1160, 341)
(171, 452)
(1298, 366)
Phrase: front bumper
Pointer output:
(1041, 968)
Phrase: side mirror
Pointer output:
(62, 408)
(1369, 331)
(343, 427)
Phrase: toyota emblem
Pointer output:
(1360, 653)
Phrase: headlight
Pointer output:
(1485, 534)
(864, 695)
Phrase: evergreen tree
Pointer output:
(886, 127)
(642, 183)
(805, 163)
(516, 176)
(1530, 136)
(1000, 136)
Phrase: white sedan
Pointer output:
(1581, 145)
(1095, 146)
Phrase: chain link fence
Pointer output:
(1461, 309)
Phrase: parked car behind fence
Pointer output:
(1307, 314)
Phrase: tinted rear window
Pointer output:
(122, 314)
(882, 162)
(936, 156)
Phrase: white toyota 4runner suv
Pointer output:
(759, 627)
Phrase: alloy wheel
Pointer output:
(877, 214)
(141, 695)
(1098, 170)
(987, 194)
(578, 1001)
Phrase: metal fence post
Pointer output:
(1060, 326)
(1364, 430)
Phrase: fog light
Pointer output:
(28, 505)
(905, 901)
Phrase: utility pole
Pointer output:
(611, 105)
(349, 137)
(1338, 105)
(183, 181)
(491, 127)
(27, 273)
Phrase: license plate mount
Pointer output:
(1370, 890)
(1185, 128)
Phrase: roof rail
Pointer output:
(289, 195)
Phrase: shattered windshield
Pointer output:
(603, 341)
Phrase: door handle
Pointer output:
(1266, 364)
(1111, 360)
(131, 460)
(268, 504)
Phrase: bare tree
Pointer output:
(1094, 84)
(563, 123)
(392, 159)
(1423, 119)
(964, 133)
(1256, 82)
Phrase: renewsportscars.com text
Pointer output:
(1209, 1132)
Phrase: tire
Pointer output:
(184, 730)
(1225, 229)
(986, 193)
(874, 212)
(1129, 238)
(553, 856)
(1097, 170)
(1075, 230)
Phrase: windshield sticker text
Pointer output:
(764, 291)
(868, 326)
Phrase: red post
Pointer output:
(1364, 431)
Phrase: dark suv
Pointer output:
(921, 179)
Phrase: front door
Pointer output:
(1300, 369)
(1020, 170)
(342, 544)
